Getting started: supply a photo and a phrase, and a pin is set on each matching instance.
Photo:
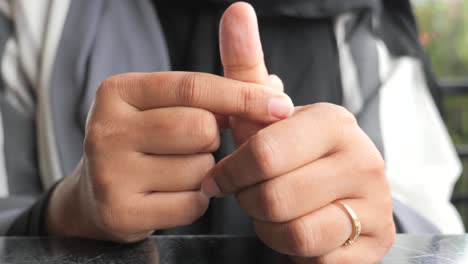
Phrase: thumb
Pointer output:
(240, 45)
(243, 60)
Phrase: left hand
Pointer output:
(287, 176)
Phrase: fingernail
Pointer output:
(280, 108)
(210, 188)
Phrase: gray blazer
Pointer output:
(101, 38)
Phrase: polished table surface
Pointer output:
(208, 249)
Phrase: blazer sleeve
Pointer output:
(29, 221)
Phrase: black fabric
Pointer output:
(32, 221)
(286, 8)
(300, 48)
(301, 51)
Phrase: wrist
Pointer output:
(63, 214)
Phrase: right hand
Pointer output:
(149, 139)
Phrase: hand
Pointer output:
(148, 144)
(287, 176)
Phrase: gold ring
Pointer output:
(354, 221)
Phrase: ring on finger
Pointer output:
(356, 224)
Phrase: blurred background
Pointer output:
(443, 26)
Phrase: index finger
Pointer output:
(216, 94)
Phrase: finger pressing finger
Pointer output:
(144, 91)
(244, 129)
(311, 133)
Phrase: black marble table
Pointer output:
(208, 249)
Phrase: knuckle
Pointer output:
(109, 218)
(245, 100)
(116, 220)
(337, 112)
(370, 163)
(197, 166)
(346, 117)
(94, 138)
(376, 169)
(263, 153)
(227, 180)
(385, 233)
(99, 134)
(210, 161)
(391, 237)
(384, 244)
(389, 225)
(207, 162)
(375, 162)
(122, 88)
(189, 92)
(111, 85)
(387, 206)
(341, 114)
(271, 207)
(378, 166)
(303, 241)
(373, 166)
(195, 210)
(106, 86)
(204, 131)
(339, 122)
(102, 184)
(242, 68)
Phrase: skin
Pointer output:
(287, 175)
(148, 145)
(147, 154)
